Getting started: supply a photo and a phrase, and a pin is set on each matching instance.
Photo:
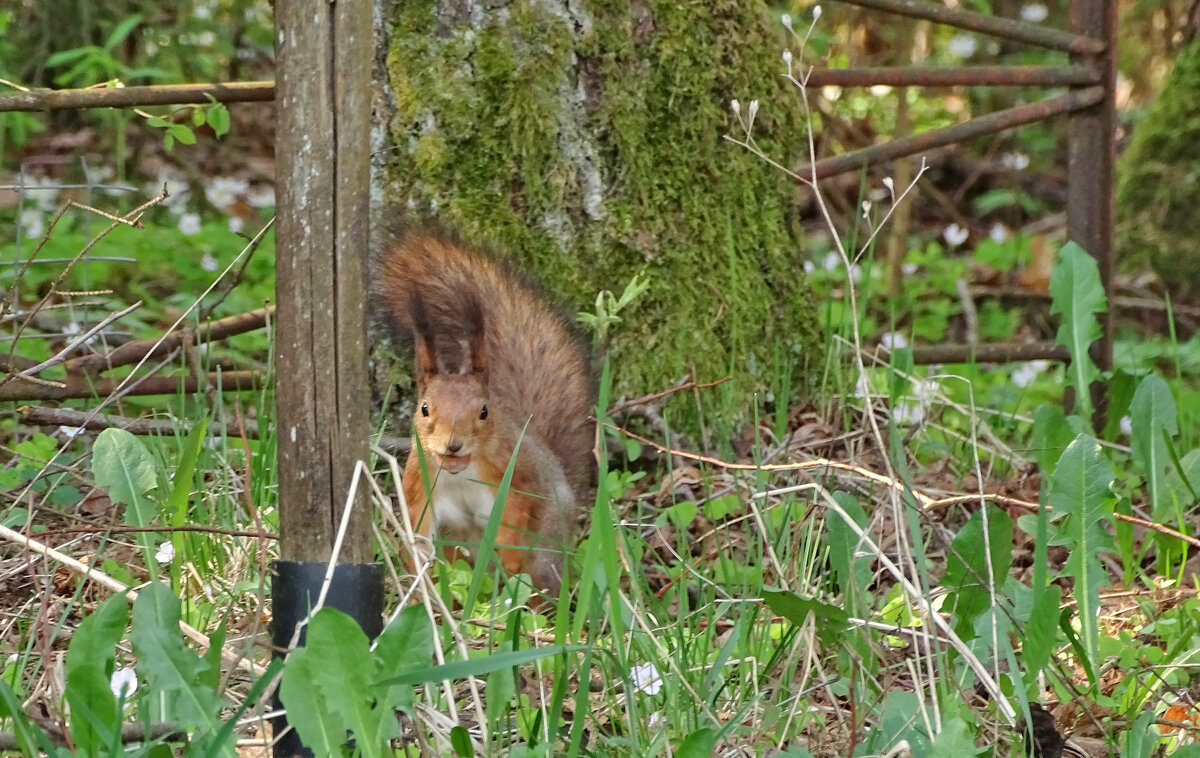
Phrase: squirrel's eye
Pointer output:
(424, 409)
(483, 413)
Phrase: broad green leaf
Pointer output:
(1041, 632)
(1155, 421)
(1080, 490)
(1077, 295)
(967, 566)
(1053, 430)
(954, 741)
(405, 645)
(182, 133)
(95, 717)
(851, 569)
(500, 688)
(307, 711)
(460, 742)
(831, 620)
(346, 667)
(218, 120)
(173, 670)
(121, 462)
(698, 744)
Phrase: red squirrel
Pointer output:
(494, 364)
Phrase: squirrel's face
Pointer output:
(451, 419)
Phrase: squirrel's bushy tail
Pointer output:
(538, 370)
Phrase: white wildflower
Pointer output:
(189, 224)
(1026, 373)
(1015, 161)
(646, 678)
(97, 174)
(955, 235)
(786, 20)
(893, 340)
(908, 414)
(908, 269)
(32, 222)
(832, 261)
(1126, 426)
(43, 191)
(999, 233)
(736, 107)
(891, 186)
(862, 387)
(70, 432)
(753, 110)
(962, 45)
(816, 12)
(1034, 13)
(208, 262)
(831, 93)
(262, 197)
(223, 191)
(856, 273)
(236, 224)
(787, 58)
(925, 391)
(866, 208)
(879, 90)
(166, 553)
(123, 682)
(809, 267)
(13, 658)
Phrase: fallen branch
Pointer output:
(76, 387)
(132, 352)
(43, 416)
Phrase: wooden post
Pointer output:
(324, 53)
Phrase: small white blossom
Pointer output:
(236, 224)
(166, 553)
(71, 329)
(856, 273)
(955, 235)
(786, 20)
(646, 678)
(1034, 13)
(1026, 373)
(787, 58)
(70, 432)
(816, 12)
(32, 222)
(654, 721)
(999, 233)
(908, 269)
(832, 93)
(97, 174)
(809, 267)
(962, 45)
(879, 90)
(924, 391)
(866, 208)
(862, 387)
(831, 262)
(208, 262)
(1126, 426)
(908, 414)
(123, 682)
(202, 11)
(177, 192)
(223, 191)
(736, 107)
(753, 110)
(189, 224)
(891, 187)
(1015, 161)
(262, 197)
(44, 192)
(13, 658)
(893, 340)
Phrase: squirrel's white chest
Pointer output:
(462, 502)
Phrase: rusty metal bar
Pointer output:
(934, 138)
(924, 76)
(164, 94)
(1091, 159)
(1020, 31)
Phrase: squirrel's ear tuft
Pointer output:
(473, 315)
(426, 357)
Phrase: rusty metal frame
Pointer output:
(1090, 106)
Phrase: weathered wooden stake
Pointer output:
(324, 52)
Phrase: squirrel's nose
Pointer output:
(454, 447)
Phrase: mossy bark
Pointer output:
(1158, 183)
(584, 138)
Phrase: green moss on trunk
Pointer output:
(1158, 183)
(585, 139)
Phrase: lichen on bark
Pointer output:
(1158, 183)
(584, 139)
